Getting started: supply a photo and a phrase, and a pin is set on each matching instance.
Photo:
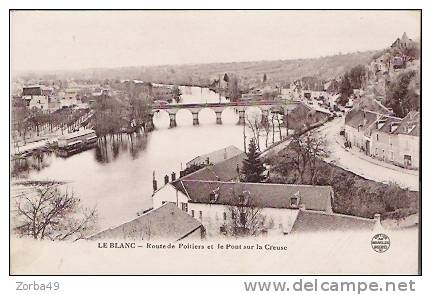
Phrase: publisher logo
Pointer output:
(380, 243)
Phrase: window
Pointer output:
(193, 213)
(224, 216)
(213, 197)
(184, 207)
(233, 215)
(377, 137)
(200, 214)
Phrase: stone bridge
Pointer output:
(266, 106)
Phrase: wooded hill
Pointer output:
(278, 71)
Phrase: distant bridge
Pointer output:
(264, 105)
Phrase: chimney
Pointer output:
(166, 179)
(173, 177)
(154, 185)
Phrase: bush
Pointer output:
(353, 195)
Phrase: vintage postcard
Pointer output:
(225, 142)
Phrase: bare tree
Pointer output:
(305, 151)
(279, 125)
(245, 219)
(49, 213)
(254, 125)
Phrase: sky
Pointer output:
(70, 40)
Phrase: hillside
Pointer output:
(392, 78)
(278, 71)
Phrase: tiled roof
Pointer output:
(218, 155)
(410, 124)
(311, 221)
(32, 90)
(222, 171)
(167, 222)
(386, 127)
(265, 195)
(356, 118)
(228, 169)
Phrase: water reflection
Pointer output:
(21, 167)
(109, 150)
(116, 175)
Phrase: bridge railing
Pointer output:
(226, 104)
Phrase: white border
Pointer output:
(198, 285)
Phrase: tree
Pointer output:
(226, 78)
(402, 95)
(36, 119)
(345, 90)
(265, 78)
(245, 220)
(302, 157)
(254, 125)
(52, 214)
(138, 111)
(356, 76)
(252, 167)
(234, 88)
(244, 217)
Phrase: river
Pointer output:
(118, 181)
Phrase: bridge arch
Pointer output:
(242, 107)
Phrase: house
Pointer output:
(357, 126)
(385, 137)
(70, 97)
(211, 202)
(384, 145)
(165, 223)
(40, 102)
(408, 141)
(37, 97)
(228, 170)
(216, 156)
(304, 116)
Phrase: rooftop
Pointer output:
(410, 125)
(167, 222)
(311, 221)
(223, 171)
(217, 156)
(264, 195)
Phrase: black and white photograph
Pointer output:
(215, 142)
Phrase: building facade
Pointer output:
(383, 137)
(215, 203)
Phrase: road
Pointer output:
(361, 164)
